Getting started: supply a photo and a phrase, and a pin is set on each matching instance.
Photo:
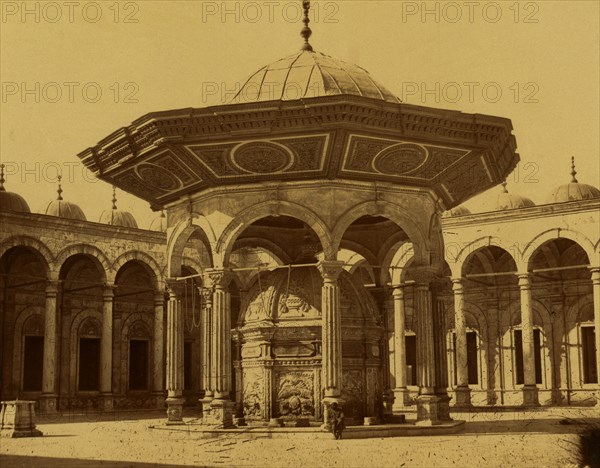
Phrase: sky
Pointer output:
(74, 72)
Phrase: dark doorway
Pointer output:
(411, 359)
(588, 344)
(89, 364)
(537, 356)
(138, 365)
(33, 363)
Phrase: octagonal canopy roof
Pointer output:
(308, 74)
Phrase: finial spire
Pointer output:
(504, 184)
(59, 190)
(114, 198)
(2, 189)
(573, 171)
(306, 31)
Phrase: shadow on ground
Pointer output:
(20, 461)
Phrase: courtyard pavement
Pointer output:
(490, 439)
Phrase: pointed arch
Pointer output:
(145, 260)
(91, 251)
(31, 243)
(559, 233)
(398, 215)
(270, 208)
(178, 237)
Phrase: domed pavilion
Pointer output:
(313, 156)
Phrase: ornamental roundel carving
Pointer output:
(157, 177)
(400, 159)
(261, 158)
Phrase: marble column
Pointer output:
(48, 400)
(222, 407)
(206, 343)
(106, 348)
(596, 294)
(530, 390)
(463, 392)
(174, 355)
(331, 334)
(159, 362)
(429, 405)
(400, 391)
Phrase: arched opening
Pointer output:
(22, 298)
(490, 272)
(561, 281)
(80, 323)
(133, 323)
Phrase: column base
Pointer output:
(388, 404)
(432, 410)
(327, 402)
(174, 411)
(401, 399)
(530, 395)
(106, 402)
(463, 396)
(220, 414)
(48, 404)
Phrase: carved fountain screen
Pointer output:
(280, 334)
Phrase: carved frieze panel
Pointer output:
(253, 395)
(294, 350)
(259, 157)
(353, 392)
(295, 393)
(393, 158)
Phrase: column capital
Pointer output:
(174, 288)
(524, 280)
(595, 270)
(159, 298)
(218, 277)
(206, 294)
(108, 291)
(330, 270)
(424, 275)
(52, 287)
(457, 284)
(398, 290)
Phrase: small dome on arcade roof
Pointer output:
(511, 201)
(64, 209)
(116, 217)
(574, 190)
(159, 223)
(10, 201)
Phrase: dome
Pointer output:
(295, 294)
(64, 209)
(309, 74)
(10, 201)
(116, 217)
(573, 191)
(511, 201)
(159, 224)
